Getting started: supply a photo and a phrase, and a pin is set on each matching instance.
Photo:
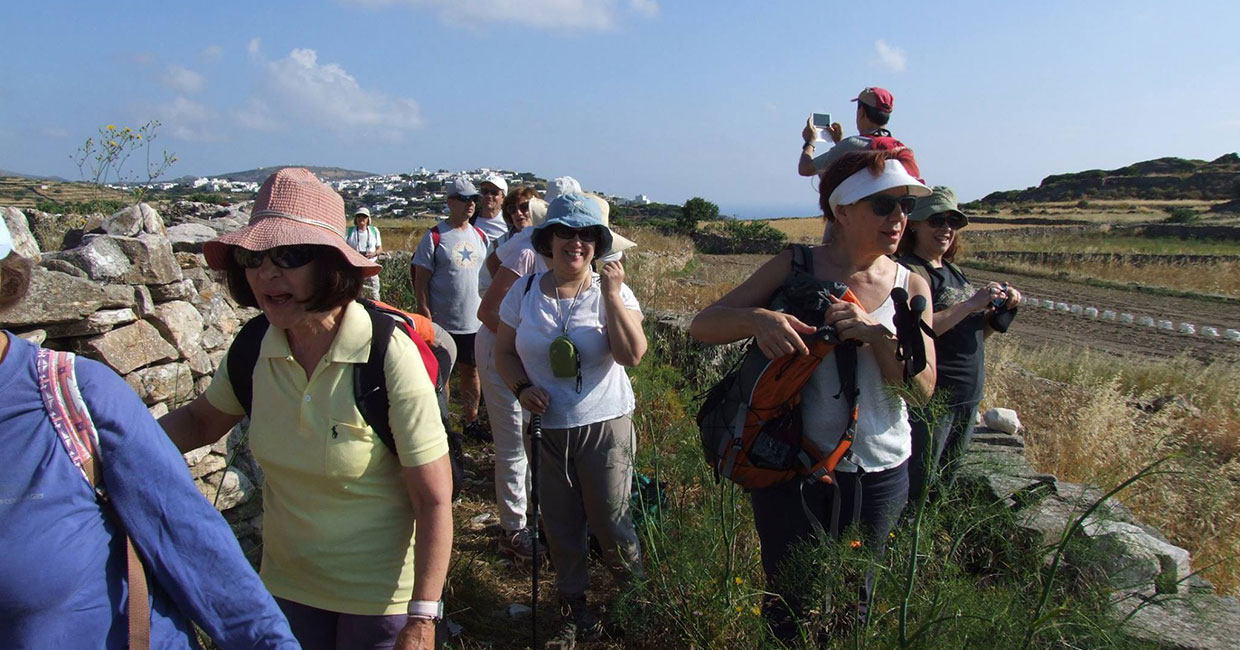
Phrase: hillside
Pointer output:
(1160, 179)
(325, 173)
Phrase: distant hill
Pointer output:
(326, 173)
(11, 174)
(1161, 179)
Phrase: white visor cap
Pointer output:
(864, 183)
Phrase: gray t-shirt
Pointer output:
(454, 268)
(851, 143)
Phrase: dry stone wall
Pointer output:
(133, 291)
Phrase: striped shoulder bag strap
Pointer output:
(76, 430)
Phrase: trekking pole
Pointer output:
(535, 442)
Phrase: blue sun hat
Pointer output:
(6, 240)
(575, 211)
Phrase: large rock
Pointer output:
(130, 347)
(1129, 559)
(100, 256)
(24, 243)
(151, 259)
(180, 290)
(168, 382)
(189, 237)
(54, 298)
(97, 323)
(133, 221)
(120, 296)
(1195, 622)
(227, 489)
(180, 324)
(61, 266)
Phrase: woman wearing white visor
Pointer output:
(865, 198)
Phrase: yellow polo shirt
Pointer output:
(337, 522)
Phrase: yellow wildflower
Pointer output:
(757, 611)
(738, 580)
(111, 127)
(739, 609)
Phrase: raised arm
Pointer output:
(625, 336)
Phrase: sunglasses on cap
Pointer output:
(588, 235)
(884, 204)
(285, 257)
(491, 191)
(946, 219)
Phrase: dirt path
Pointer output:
(1042, 326)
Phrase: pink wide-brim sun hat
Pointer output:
(293, 207)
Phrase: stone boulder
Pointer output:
(1128, 558)
(168, 382)
(151, 259)
(54, 298)
(133, 221)
(130, 347)
(97, 323)
(180, 324)
(99, 256)
(189, 237)
(24, 243)
(1199, 622)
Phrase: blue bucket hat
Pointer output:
(575, 211)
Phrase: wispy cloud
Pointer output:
(186, 119)
(211, 53)
(890, 57)
(299, 89)
(548, 14)
(182, 79)
(254, 47)
(54, 132)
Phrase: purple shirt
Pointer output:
(62, 574)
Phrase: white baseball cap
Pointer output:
(497, 181)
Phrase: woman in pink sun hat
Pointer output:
(340, 509)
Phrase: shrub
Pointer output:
(736, 236)
(1182, 215)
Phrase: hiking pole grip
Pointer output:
(535, 444)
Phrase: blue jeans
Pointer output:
(782, 522)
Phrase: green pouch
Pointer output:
(564, 361)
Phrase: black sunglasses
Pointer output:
(588, 235)
(285, 257)
(884, 204)
(491, 191)
(946, 219)
(466, 199)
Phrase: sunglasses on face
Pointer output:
(285, 257)
(465, 199)
(884, 204)
(491, 191)
(946, 219)
(587, 235)
(523, 207)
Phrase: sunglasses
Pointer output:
(285, 257)
(523, 207)
(465, 199)
(587, 235)
(491, 191)
(946, 219)
(884, 204)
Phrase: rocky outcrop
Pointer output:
(1159, 179)
(135, 294)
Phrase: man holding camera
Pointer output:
(873, 111)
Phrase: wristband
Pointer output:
(426, 609)
(521, 385)
(808, 144)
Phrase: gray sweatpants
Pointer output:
(585, 477)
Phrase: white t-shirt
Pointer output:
(538, 319)
(517, 254)
(884, 437)
(494, 229)
(364, 241)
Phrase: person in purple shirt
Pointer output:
(63, 579)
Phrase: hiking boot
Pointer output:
(476, 431)
(577, 623)
(519, 544)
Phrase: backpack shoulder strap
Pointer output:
(76, 429)
(243, 356)
(529, 282)
(481, 234)
(802, 258)
(370, 381)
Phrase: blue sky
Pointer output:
(669, 99)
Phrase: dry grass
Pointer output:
(403, 234)
(1220, 278)
(804, 230)
(25, 193)
(1089, 419)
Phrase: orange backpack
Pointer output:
(750, 422)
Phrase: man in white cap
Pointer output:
(364, 238)
(489, 218)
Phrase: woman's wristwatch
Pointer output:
(431, 610)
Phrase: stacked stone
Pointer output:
(137, 296)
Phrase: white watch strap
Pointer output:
(432, 609)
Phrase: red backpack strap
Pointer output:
(71, 418)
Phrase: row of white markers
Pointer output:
(1208, 331)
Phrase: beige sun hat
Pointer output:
(292, 207)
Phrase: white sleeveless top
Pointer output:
(883, 438)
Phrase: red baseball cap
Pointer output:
(878, 98)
